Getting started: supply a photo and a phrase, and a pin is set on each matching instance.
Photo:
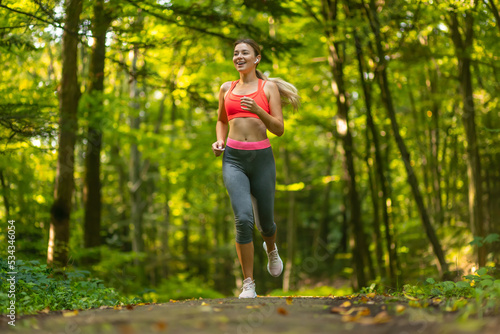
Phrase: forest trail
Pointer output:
(260, 315)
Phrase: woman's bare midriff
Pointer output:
(247, 129)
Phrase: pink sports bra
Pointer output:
(233, 106)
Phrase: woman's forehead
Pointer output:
(242, 47)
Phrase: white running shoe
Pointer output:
(274, 265)
(248, 289)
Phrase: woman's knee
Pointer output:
(268, 230)
(244, 228)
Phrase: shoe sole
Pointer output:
(248, 297)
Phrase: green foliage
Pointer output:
(38, 287)
(177, 288)
(116, 268)
(476, 294)
(489, 239)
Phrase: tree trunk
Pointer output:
(387, 99)
(379, 169)
(463, 49)
(185, 227)
(377, 236)
(290, 226)
(335, 60)
(435, 142)
(322, 232)
(92, 181)
(57, 252)
(4, 194)
(164, 234)
(136, 198)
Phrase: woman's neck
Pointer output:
(247, 78)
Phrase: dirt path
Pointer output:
(260, 315)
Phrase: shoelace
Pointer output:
(273, 256)
(248, 286)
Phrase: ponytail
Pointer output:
(288, 93)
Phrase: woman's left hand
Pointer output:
(248, 104)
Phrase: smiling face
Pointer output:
(244, 58)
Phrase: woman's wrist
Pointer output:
(260, 112)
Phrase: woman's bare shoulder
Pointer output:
(226, 86)
(270, 86)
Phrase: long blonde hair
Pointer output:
(288, 93)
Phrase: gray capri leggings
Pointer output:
(250, 180)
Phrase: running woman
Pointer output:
(248, 107)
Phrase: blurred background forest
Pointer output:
(388, 173)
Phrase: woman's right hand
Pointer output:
(218, 147)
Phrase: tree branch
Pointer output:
(54, 22)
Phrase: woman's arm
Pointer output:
(222, 126)
(273, 121)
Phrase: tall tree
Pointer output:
(383, 81)
(135, 155)
(336, 63)
(379, 162)
(462, 35)
(290, 224)
(4, 193)
(57, 253)
(92, 181)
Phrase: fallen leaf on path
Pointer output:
(204, 304)
(400, 308)
(349, 318)
(126, 329)
(363, 311)
(359, 312)
(337, 309)
(382, 317)
(282, 311)
(117, 307)
(289, 301)
(160, 326)
(70, 313)
(346, 304)
(371, 295)
(130, 307)
(367, 320)
(45, 310)
(410, 297)
(253, 306)
(435, 301)
(362, 318)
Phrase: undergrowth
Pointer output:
(476, 295)
(38, 287)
